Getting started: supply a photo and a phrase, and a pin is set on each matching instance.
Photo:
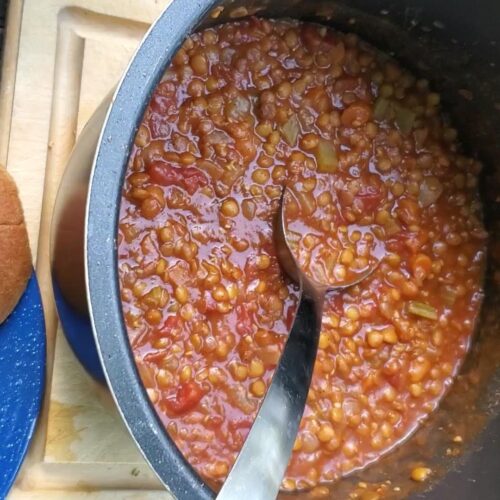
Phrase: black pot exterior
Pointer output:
(452, 44)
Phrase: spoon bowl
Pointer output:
(308, 284)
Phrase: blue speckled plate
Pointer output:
(22, 380)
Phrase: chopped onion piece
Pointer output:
(306, 201)
(290, 130)
(422, 310)
(293, 238)
(430, 190)
(326, 157)
(219, 137)
(238, 108)
(238, 397)
(385, 109)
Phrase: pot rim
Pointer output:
(101, 221)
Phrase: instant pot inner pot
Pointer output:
(454, 46)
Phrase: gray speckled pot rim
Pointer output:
(126, 111)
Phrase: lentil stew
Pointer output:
(244, 108)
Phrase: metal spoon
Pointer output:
(263, 459)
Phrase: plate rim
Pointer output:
(27, 406)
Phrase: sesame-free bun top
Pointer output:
(15, 256)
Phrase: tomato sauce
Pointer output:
(245, 108)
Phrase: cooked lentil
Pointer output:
(245, 107)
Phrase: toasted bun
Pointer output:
(15, 257)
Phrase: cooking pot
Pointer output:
(454, 45)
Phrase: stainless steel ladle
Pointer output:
(263, 459)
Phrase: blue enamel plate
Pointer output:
(22, 379)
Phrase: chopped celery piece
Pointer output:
(326, 157)
(381, 109)
(404, 119)
(290, 130)
(430, 191)
(422, 310)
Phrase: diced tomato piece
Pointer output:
(356, 114)
(289, 317)
(397, 380)
(244, 321)
(336, 301)
(352, 84)
(335, 46)
(408, 211)
(163, 105)
(406, 241)
(158, 126)
(170, 323)
(311, 36)
(396, 243)
(155, 357)
(188, 395)
(213, 421)
(371, 196)
(346, 84)
(164, 174)
(240, 423)
(193, 179)
(166, 89)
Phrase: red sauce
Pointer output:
(244, 108)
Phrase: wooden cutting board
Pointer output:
(61, 58)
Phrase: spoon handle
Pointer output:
(261, 464)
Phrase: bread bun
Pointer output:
(15, 257)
